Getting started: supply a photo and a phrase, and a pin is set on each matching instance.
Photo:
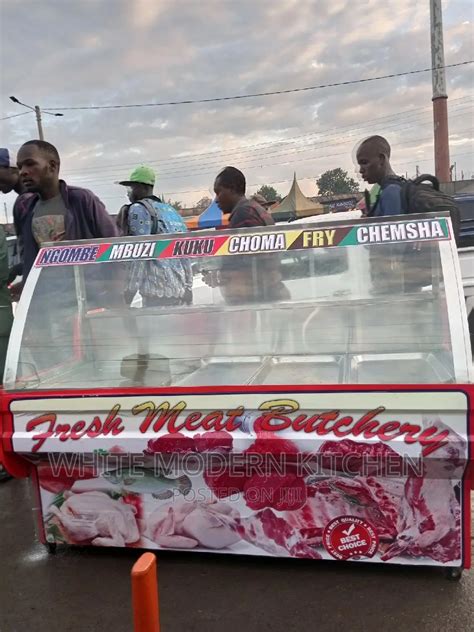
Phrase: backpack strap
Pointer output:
(426, 177)
(153, 214)
(368, 203)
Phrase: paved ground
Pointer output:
(89, 591)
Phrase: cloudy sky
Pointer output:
(73, 53)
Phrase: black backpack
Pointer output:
(419, 197)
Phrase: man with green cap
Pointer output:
(160, 283)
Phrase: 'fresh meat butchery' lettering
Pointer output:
(277, 415)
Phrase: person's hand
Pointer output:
(15, 291)
(128, 296)
(211, 277)
(15, 271)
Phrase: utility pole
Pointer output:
(37, 110)
(440, 96)
(38, 122)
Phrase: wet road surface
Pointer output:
(88, 590)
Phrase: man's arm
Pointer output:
(18, 211)
(3, 259)
(104, 223)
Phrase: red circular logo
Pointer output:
(348, 537)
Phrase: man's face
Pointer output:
(37, 170)
(226, 199)
(137, 191)
(371, 163)
(8, 179)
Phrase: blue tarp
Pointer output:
(211, 217)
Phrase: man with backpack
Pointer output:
(159, 282)
(398, 196)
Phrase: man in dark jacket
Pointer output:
(6, 316)
(9, 176)
(51, 210)
(249, 278)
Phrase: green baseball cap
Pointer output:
(142, 175)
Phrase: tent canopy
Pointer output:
(296, 204)
(212, 217)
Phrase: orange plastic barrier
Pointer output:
(146, 616)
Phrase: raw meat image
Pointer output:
(280, 510)
(186, 525)
(94, 518)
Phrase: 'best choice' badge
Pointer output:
(348, 537)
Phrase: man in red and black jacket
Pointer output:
(250, 278)
(229, 188)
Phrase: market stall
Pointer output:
(312, 400)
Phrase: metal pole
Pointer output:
(440, 97)
(38, 122)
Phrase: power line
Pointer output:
(249, 161)
(260, 94)
(5, 118)
(179, 160)
(258, 184)
(337, 154)
(185, 161)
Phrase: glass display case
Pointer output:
(299, 390)
(374, 303)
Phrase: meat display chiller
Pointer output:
(314, 400)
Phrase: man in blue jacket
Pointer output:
(373, 158)
(50, 210)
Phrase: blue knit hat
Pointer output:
(5, 158)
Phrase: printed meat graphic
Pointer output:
(273, 503)
(186, 525)
(96, 517)
(430, 515)
(409, 513)
(338, 496)
(274, 484)
(276, 536)
(429, 521)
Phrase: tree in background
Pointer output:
(335, 182)
(202, 204)
(269, 193)
(177, 205)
